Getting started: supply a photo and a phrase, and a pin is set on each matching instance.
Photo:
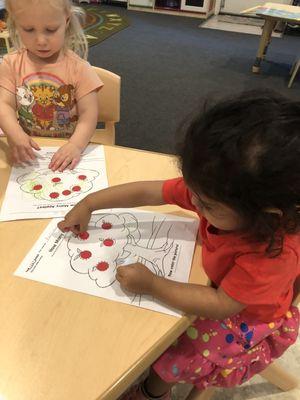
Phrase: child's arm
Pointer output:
(190, 298)
(69, 154)
(20, 143)
(122, 196)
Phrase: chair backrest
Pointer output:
(5, 36)
(108, 106)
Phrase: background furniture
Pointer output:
(88, 1)
(188, 66)
(190, 8)
(58, 344)
(109, 106)
(5, 36)
(293, 72)
(276, 13)
(236, 6)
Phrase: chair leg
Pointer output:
(201, 395)
(278, 377)
(294, 72)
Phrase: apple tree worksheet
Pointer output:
(35, 191)
(88, 262)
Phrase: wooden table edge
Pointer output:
(118, 387)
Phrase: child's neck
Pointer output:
(54, 58)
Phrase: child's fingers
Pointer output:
(82, 227)
(73, 163)
(64, 164)
(34, 145)
(121, 269)
(60, 226)
(128, 261)
(76, 229)
(15, 157)
(52, 162)
(53, 167)
(22, 156)
(63, 226)
(67, 226)
(55, 162)
(30, 154)
(120, 274)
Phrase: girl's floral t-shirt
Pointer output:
(47, 95)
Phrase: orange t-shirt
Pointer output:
(47, 95)
(240, 267)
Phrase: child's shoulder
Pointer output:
(14, 57)
(83, 76)
(74, 58)
(13, 63)
(254, 256)
(76, 65)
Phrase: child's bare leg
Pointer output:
(155, 386)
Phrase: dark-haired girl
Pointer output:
(240, 162)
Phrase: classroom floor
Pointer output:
(182, 66)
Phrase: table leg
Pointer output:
(263, 44)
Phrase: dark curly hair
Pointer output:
(245, 152)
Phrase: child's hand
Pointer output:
(21, 146)
(76, 220)
(135, 278)
(67, 156)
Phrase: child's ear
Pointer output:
(273, 210)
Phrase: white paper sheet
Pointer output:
(34, 191)
(87, 263)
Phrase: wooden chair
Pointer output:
(109, 106)
(293, 72)
(5, 36)
(274, 373)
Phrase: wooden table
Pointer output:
(57, 344)
(288, 14)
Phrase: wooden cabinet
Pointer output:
(196, 5)
(191, 8)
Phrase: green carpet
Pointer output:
(99, 25)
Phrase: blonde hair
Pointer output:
(74, 37)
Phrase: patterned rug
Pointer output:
(99, 25)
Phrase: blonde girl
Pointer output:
(47, 81)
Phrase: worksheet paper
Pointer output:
(88, 262)
(34, 191)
